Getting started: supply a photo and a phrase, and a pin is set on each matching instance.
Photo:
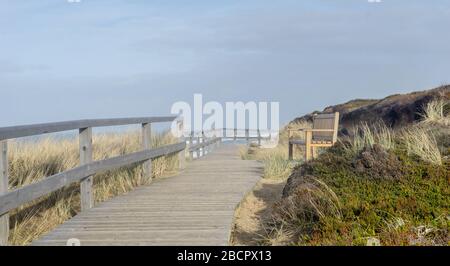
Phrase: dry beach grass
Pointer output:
(378, 185)
(31, 161)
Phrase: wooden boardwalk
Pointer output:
(195, 207)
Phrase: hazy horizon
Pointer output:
(99, 59)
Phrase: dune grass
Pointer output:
(330, 202)
(437, 112)
(378, 186)
(364, 136)
(420, 142)
(31, 161)
(276, 160)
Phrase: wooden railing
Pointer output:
(12, 199)
(202, 146)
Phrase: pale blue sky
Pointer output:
(116, 58)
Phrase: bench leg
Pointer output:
(314, 152)
(308, 139)
(291, 151)
(307, 153)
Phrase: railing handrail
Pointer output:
(45, 128)
(12, 199)
(251, 133)
(86, 170)
(203, 144)
(27, 193)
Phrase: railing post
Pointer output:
(247, 135)
(191, 155)
(291, 151)
(308, 137)
(259, 137)
(4, 218)
(235, 134)
(146, 145)
(191, 143)
(87, 195)
(205, 148)
(198, 150)
(181, 154)
(212, 137)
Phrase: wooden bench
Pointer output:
(323, 134)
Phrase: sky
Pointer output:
(116, 58)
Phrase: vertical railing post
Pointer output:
(235, 134)
(247, 135)
(198, 150)
(181, 154)
(259, 137)
(191, 143)
(205, 148)
(212, 137)
(291, 151)
(87, 195)
(308, 138)
(203, 141)
(4, 218)
(146, 132)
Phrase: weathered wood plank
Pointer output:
(38, 129)
(203, 144)
(86, 191)
(195, 207)
(147, 144)
(17, 197)
(4, 218)
(181, 154)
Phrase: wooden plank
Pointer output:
(181, 154)
(324, 116)
(38, 129)
(204, 144)
(259, 137)
(325, 126)
(198, 149)
(336, 127)
(146, 132)
(291, 151)
(308, 137)
(191, 143)
(195, 207)
(17, 197)
(4, 218)
(86, 191)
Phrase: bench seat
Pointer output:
(323, 133)
(303, 142)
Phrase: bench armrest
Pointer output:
(292, 130)
(319, 130)
(299, 129)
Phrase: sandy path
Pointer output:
(254, 211)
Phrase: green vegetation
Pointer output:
(276, 160)
(334, 203)
(379, 186)
(276, 163)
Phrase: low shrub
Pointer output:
(331, 201)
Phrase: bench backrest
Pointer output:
(326, 121)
